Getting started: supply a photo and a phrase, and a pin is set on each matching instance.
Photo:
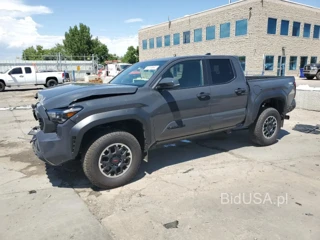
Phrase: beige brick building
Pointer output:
(263, 33)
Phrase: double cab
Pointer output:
(111, 127)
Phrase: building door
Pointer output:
(281, 66)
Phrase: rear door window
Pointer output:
(221, 71)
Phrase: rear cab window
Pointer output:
(27, 70)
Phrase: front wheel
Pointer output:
(112, 160)
(265, 130)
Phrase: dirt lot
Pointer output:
(221, 187)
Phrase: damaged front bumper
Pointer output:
(49, 147)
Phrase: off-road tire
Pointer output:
(51, 83)
(318, 75)
(92, 157)
(2, 86)
(256, 130)
(310, 78)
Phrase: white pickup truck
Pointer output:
(27, 75)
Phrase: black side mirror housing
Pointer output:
(168, 83)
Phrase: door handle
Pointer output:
(21, 76)
(203, 96)
(240, 91)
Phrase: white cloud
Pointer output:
(119, 45)
(133, 20)
(22, 33)
(16, 8)
(18, 29)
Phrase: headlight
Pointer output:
(62, 115)
(314, 68)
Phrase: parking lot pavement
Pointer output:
(201, 188)
(311, 83)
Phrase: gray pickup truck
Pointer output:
(111, 127)
(312, 70)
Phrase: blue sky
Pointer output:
(116, 23)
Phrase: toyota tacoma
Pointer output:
(111, 127)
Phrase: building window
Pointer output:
(316, 32)
(293, 63)
(210, 33)
(296, 29)
(242, 60)
(221, 71)
(198, 35)
(144, 44)
(159, 42)
(314, 60)
(303, 62)
(176, 39)
(186, 37)
(268, 63)
(306, 30)
(167, 40)
(225, 30)
(272, 26)
(241, 27)
(151, 43)
(284, 31)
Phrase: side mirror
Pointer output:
(168, 83)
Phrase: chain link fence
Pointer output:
(76, 67)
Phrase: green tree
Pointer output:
(78, 41)
(113, 57)
(131, 56)
(30, 53)
(100, 50)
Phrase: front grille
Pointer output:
(307, 68)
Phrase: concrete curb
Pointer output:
(308, 98)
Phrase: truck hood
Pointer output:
(63, 96)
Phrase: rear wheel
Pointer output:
(2, 86)
(318, 75)
(112, 160)
(265, 130)
(51, 83)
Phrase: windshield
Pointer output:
(138, 74)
